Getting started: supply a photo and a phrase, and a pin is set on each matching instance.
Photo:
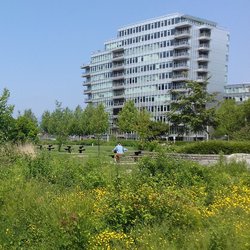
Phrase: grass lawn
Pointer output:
(90, 151)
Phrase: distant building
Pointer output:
(150, 58)
(238, 92)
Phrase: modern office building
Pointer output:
(238, 92)
(148, 59)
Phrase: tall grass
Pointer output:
(63, 201)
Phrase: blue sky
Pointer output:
(43, 43)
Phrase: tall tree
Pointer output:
(6, 119)
(45, 122)
(86, 119)
(60, 122)
(25, 130)
(158, 129)
(191, 112)
(99, 123)
(244, 133)
(142, 126)
(246, 111)
(77, 123)
(127, 117)
(230, 118)
(30, 115)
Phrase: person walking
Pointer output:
(119, 150)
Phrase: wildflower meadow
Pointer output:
(62, 201)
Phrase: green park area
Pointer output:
(56, 199)
(61, 200)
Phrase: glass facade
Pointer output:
(149, 59)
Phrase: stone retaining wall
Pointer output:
(212, 159)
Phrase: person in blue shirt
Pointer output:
(119, 151)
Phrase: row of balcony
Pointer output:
(205, 35)
(182, 33)
(180, 45)
(204, 47)
(180, 66)
(187, 34)
(85, 66)
(119, 96)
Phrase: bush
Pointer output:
(59, 201)
(149, 145)
(215, 147)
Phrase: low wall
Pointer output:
(212, 159)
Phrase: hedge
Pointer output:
(215, 147)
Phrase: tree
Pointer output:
(246, 111)
(77, 122)
(98, 123)
(241, 116)
(243, 134)
(59, 123)
(142, 126)
(158, 129)
(86, 119)
(127, 117)
(230, 118)
(190, 111)
(30, 115)
(99, 120)
(25, 129)
(45, 121)
(6, 119)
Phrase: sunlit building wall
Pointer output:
(148, 59)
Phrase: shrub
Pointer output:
(172, 170)
(215, 147)
(59, 201)
(40, 166)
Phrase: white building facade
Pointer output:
(150, 58)
(239, 92)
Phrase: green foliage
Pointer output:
(86, 121)
(99, 120)
(132, 120)
(229, 118)
(22, 129)
(98, 123)
(30, 116)
(6, 119)
(60, 201)
(246, 111)
(45, 122)
(233, 120)
(158, 129)
(63, 171)
(58, 123)
(7, 157)
(76, 127)
(25, 129)
(190, 112)
(149, 145)
(243, 134)
(127, 117)
(215, 147)
(142, 126)
(40, 167)
(176, 171)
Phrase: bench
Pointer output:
(134, 156)
(50, 147)
(81, 149)
(137, 152)
(68, 148)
